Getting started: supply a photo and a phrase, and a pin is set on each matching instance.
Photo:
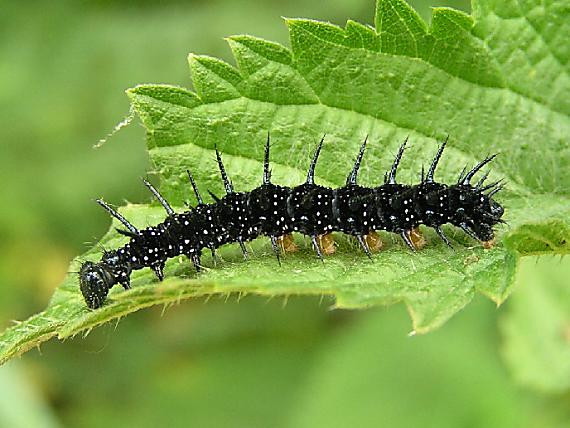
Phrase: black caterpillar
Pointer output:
(310, 209)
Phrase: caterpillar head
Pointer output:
(95, 281)
(476, 212)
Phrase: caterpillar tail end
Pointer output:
(95, 282)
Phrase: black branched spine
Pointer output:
(313, 210)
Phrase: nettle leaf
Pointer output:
(497, 81)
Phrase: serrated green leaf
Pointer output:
(215, 81)
(494, 81)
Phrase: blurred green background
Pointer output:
(256, 363)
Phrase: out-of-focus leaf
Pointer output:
(21, 406)
(536, 327)
(372, 375)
